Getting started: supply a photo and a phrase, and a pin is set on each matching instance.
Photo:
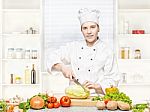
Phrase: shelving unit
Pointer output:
(16, 20)
(134, 16)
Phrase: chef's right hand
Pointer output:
(67, 72)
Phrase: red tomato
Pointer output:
(65, 101)
(56, 104)
(52, 99)
(50, 105)
(106, 101)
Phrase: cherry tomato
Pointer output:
(50, 105)
(106, 101)
(56, 104)
(52, 99)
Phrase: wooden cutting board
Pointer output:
(83, 102)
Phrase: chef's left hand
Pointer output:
(89, 85)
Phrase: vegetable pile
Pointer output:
(113, 99)
(42, 101)
(139, 107)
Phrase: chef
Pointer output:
(92, 62)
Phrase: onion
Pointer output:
(37, 102)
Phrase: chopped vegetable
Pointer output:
(76, 91)
(96, 98)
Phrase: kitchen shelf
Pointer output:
(22, 10)
(134, 60)
(20, 84)
(135, 84)
(134, 35)
(25, 60)
(16, 17)
(133, 10)
(21, 35)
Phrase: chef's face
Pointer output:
(90, 32)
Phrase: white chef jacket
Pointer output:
(96, 64)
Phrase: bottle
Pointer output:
(33, 75)
(27, 75)
(11, 79)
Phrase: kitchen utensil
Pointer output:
(78, 83)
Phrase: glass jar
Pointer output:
(34, 54)
(19, 53)
(18, 80)
(27, 54)
(137, 54)
(10, 53)
(125, 51)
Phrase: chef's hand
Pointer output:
(91, 85)
(67, 72)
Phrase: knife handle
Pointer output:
(74, 78)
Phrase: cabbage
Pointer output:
(76, 91)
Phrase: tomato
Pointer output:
(52, 99)
(56, 104)
(65, 101)
(50, 105)
(106, 101)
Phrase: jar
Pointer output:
(34, 54)
(27, 54)
(125, 51)
(124, 77)
(10, 53)
(18, 80)
(137, 54)
(19, 53)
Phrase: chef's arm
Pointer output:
(67, 72)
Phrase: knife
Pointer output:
(78, 83)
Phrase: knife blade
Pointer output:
(78, 83)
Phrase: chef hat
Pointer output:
(86, 15)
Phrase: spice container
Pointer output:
(19, 53)
(34, 54)
(27, 54)
(18, 80)
(125, 51)
(10, 53)
(137, 54)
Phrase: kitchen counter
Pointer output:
(74, 109)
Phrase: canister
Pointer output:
(19, 53)
(10, 53)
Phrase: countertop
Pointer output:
(75, 109)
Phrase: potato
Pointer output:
(112, 105)
(123, 105)
(100, 105)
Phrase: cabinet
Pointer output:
(20, 30)
(133, 32)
